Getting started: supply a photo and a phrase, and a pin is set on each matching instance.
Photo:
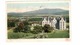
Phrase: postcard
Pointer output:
(38, 20)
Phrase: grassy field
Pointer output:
(54, 34)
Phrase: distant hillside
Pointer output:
(41, 12)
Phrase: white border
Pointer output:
(74, 27)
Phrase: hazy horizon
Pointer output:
(26, 7)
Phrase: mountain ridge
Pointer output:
(43, 11)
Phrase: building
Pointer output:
(45, 21)
(62, 24)
(53, 23)
(57, 23)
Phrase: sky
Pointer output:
(31, 6)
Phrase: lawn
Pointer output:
(54, 34)
(59, 34)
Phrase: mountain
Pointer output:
(42, 12)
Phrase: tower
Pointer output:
(48, 21)
(62, 24)
(44, 21)
(53, 23)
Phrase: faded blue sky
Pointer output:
(22, 7)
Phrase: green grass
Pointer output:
(59, 34)
(54, 34)
(19, 35)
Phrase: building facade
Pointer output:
(56, 23)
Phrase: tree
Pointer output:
(19, 28)
(37, 29)
(11, 24)
(26, 22)
(16, 29)
(67, 19)
(26, 28)
(22, 27)
(47, 28)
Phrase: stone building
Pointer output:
(56, 23)
(62, 24)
